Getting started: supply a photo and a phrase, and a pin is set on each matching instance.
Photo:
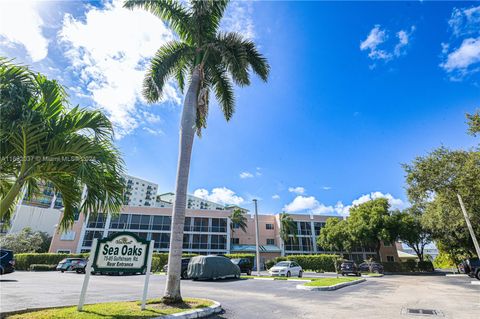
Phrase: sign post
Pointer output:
(122, 252)
(147, 274)
(86, 279)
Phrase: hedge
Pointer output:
(42, 267)
(408, 266)
(24, 261)
(318, 263)
(161, 259)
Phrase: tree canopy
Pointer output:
(26, 241)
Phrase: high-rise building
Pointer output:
(139, 192)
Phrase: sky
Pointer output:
(356, 89)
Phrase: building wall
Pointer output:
(37, 218)
(139, 192)
(67, 242)
(193, 202)
(248, 237)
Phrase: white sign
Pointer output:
(121, 252)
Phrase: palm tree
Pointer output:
(42, 139)
(206, 59)
(288, 228)
(210, 60)
(238, 218)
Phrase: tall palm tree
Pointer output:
(288, 229)
(43, 139)
(205, 59)
(238, 218)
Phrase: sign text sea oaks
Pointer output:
(122, 252)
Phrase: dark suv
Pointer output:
(472, 267)
(349, 267)
(376, 267)
(185, 262)
(7, 262)
(244, 264)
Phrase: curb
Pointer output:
(477, 283)
(330, 288)
(376, 276)
(197, 313)
(455, 275)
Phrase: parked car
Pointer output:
(349, 267)
(287, 269)
(70, 264)
(472, 267)
(212, 267)
(244, 264)
(7, 261)
(376, 267)
(184, 273)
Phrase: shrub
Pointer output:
(318, 263)
(425, 266)
(23, 261)
(408, 266)
(161, 259)
(251, 257)
(42, 267)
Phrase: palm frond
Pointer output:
(165, 62)
(256, 60)
(171, 11)
(218, 78)
(231, 51)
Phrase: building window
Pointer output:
(63, 251)
(390, 258)
(69, 235)
(200, 224)
(235, 241)
(300, 244)
(270, 241)
(200, 241)
(304, 228)
(90, 235)
(186, 241)
(140, 222)
(268, 226)
(97, 221)
(219, 225)
(162, 240)
(318, 227)
(119, 221)
(187, 225)
(218, 242)
(162, 222)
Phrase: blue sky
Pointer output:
(355, 90)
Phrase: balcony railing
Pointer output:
(205, 229)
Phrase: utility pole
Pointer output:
(256, 238)
(469, 225)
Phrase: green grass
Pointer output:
(323, 282)
(115, 310)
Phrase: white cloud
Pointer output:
(276, 196)
(311, 204)
(155, 132)
(378, 37)
(244, 175)
(461, 57)
(326, 188)
(111, 56)
(21, 25)
(238, 18)
(296, 190)
(301, 203)
(221, 195)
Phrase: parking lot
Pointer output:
(383, 297)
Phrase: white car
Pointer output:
(287, 269)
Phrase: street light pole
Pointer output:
(256, 238)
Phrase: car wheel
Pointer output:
(288, 274)
(184, 274)
(249, 272)
(478, 275)
(300, 274)
(62, 271)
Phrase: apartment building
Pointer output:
(193, 202)
(139, 192)
(206, 231)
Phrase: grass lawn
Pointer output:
(322, 282)
(115, 310)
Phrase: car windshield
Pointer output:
(283, 264)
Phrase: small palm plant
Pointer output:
(42, 139)
(201, 60)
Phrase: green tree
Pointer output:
(411, 231)
(210, 60)
(370, 223)
(26, 241)
(434, 181)
(335, 236)
(474, 123)
(288, 228)
(43, 139)
(238, 218)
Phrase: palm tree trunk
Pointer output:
(9, 199)
(187, 134)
